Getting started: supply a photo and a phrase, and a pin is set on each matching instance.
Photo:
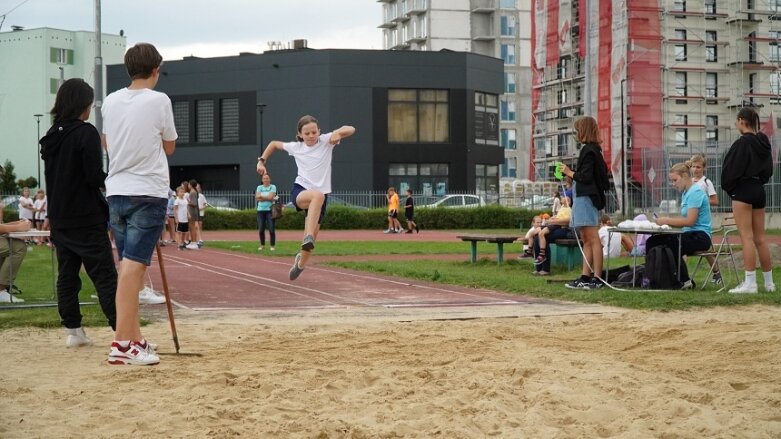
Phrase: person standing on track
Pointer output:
(313, 153)
(409, 213)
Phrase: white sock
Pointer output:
(768, 275)
(122, 343)
(751, 277)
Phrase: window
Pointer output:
(710, 6)
(182, 121)
(204, 121)
(508, 54)
(775, 82)
(507, 4)
(680, 34)
(752, 47)
(229, 120)
(509, 168)
(61, 56)
(680, 52)
(507, 136)
(418, 116)
(486, 179)
(681, 119)
(423, 178)
(711, 130)
(681, 137)
(680, 83)
(507, 25)
(711, 120)
(775, 54)
(507, 110)
(710, 36)
(563, 67)
(563, 141)
(711, 53)
(711, 85)
(679, 5)
(510, 80)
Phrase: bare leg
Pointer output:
(758, 226)
(744, 221)
(130, 282)
(312, 201)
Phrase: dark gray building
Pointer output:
(427, 120)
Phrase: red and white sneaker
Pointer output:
(134, 353)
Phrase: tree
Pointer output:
(27, 182)
(8, 179)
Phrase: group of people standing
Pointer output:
(747, 168)
(394, 226)
(184, 215)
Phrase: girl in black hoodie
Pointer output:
(78, 212)
(590, 183)
(747, 167)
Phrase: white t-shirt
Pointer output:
(201, 204)
(40, 204)
(706, 185)
(615, 243)
(135, 123)
(313, 162)
(180, 210)
(25, 212)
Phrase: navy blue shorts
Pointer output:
(297, 189)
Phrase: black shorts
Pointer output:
(393, 214)
(408, 216)
(183, 227)
(297, 189)
(750, 191)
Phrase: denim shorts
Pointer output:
(137, 223)
(297, 189)
(584, 214)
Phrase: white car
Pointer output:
(456, 201)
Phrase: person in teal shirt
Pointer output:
(264, 195)
(695, 220)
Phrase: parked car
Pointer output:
(221, 203)
(537, 202)
(333, 201)
(456, 201)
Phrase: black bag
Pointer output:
(625, 279)
(614, 273)
(661, 268)
(276, 210)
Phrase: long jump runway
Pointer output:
(216, 280)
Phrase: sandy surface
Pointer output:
(705, 373)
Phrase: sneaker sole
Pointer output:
(116, 361)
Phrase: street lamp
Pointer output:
(38, 146)
(260, 112)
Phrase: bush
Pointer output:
(346, 218)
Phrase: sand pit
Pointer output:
(705, 373)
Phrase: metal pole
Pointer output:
(38, 146)
(99, 75)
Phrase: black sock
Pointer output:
(585, 278)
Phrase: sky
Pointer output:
(208, 28)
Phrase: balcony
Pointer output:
(416, 39)
(387, 25)
(417, 7)
(483, 6)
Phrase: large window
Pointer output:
(680, 52)
(508, 54)
(681, 137)
(61, 56)
(775, 83)
(507, 25)
(182, 120)
(510, 167)
(710, 6)
(507, 110)
(423, 178)
(510, 80)
(204, 121)
(680, 83)
(508, 138)
(486, 178)
(711, 85)
(679, 5)
(229, 120)
(418, 116)
(775, 54)
(711, 130)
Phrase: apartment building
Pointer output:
(668, 78)
(497, 28)
(34, 62)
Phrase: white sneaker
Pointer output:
(770, 288)
(193, 246)
(5, 297)
(77, 337)
(744, 288)
(272, 248)
(147, 296)
(260, 249)
(134, 353)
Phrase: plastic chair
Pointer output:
(721, 250)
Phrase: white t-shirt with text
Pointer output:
(313, 162)
(135, 123)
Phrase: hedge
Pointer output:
(345, 218)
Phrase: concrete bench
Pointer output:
(499, 240)
(566, 253)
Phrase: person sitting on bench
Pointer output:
(557, 227)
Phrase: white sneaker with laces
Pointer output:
(134, 353)
(770, 288)
(77, 337)
(192, 246)
(5, 297)
(147, 296)
(744, 288)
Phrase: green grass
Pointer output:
(515, 277)
(35, 281)
(343, 248)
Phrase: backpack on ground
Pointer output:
(661, 268)
(624, 279)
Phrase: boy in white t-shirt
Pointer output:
(617, 241)
(182, 218)
(313, 153)
(138, 133)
